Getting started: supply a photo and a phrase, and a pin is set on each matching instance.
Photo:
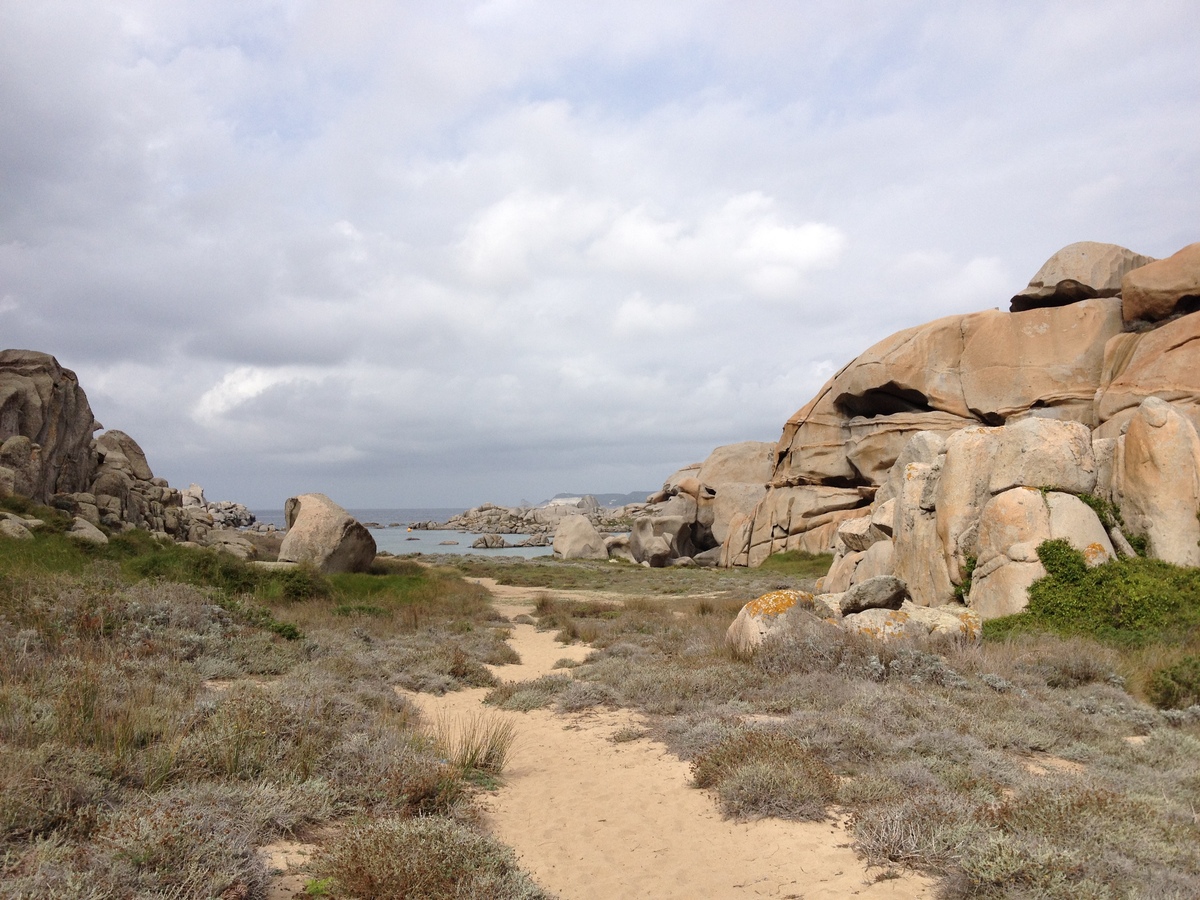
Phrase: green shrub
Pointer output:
(1124, 601)
(1176, 686)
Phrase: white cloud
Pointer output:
(493, 246)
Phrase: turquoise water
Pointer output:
(401, 540)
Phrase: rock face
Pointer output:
(324, 535)
(1078, 272)
(577, 538)
(1164, 288)
(944, 454)
(43, 403)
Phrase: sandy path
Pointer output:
(591, 818)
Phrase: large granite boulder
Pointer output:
(324, 535)
(1077, 272)
(577, 538)
(1156, 481)
(42, 401)
(1162, 363)
(1163, 288)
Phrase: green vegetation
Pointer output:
(798, 563)
(1131, 602)
(166, 710)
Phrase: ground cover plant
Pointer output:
(164, 711)
(1020, 768)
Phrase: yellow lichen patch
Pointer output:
(1094, 553)
(777, 602)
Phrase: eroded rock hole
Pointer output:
(888, 400)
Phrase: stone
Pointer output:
(748, 462)
(1163, 288)
(1075, 522)
(1047, 360)
(324, 535)
(734, 498)
(43, 402)
(1017, 516)
(856, 534)
(919, 561)
(962, 493)
(1077, 272)
(617, 547)
(577, 538)
(231, 542)
(1163, 363)
(116, 447)
(760, 617)
(881, 592)
(14, 530)
(841, 573)
(1044, 453)
(83, 530)
(656, 541)
(1004, 591)
(489, 542)
(1156, 481)
(879, 559)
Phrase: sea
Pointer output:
(398, 539)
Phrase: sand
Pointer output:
(593, 818)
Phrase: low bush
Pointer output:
(1176, 686)
(430, 858)
(1129, 602)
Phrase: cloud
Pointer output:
(425, 254)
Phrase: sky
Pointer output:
(435, 254)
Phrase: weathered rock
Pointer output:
(841, 573)
(1044, 453)
(879, 559)
(912, 621)
(577, 538)
(759, 617)
(1017, 516)
(489, 542)
(749, 462)
(1163, 288)
(42, 401)
(919, 561)
(881, 592)
(856, 534)
(657, 541)
(1004, 590)
(1163, 363)
(1074, 521)
(324, 535)
(117, 449)
(1157, 481)
(1045, 359)
(232, 542)
(962, 493)
(83, 530)
(1077, 272)
(15, 530)
(617, 547)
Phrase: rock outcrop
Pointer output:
(322, 534)
(577, 538)
(45, 415)
(945, 454)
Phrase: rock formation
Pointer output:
(322, 534)
(944, 454)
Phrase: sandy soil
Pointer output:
(591, 818)
(594, 819)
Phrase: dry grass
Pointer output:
(153, 733)
(931, 747)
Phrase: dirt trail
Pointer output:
(591, 818)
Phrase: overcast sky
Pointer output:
(437, 253)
